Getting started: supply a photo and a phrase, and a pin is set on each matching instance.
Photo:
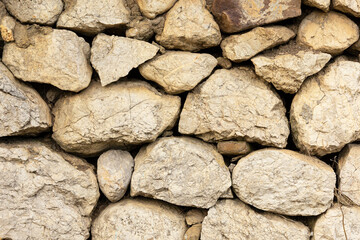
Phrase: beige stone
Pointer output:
(178, 71)
(233, 147)
(323, 5)
(320, 31)
(195, 216)
(152, 8)
(224, 62)
(284, 182)
(348, 6)
(113, 57)
(142, 28)
(7, 26)
(180, 170)
(244, 46)
(226, 107)
(232, 219)
(189, 26)
(228, 193)
(193, 233)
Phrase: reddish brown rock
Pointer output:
(234, 147)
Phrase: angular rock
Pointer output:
(238, 15)
(195, 216)
(119, 115)
(29, 11)
(242, 47)
(226, 107)
(232, 219)
(22, 110)
(348, 6)
(178, 71)
(44, 193)
(114, 170)
(53, 56)
(324, 113)
(234, 147)
(287, 68)
(152, 8)
(193, 233)
(7, 26)
(320, 31)
(139, 219)
(323, 5)
(144, 29)
(189, 26)
(180, 170)
(113, 57)
(93, 16)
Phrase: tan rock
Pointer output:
(180, 170)
(348, 6)
(234, 147)
(195, 216)
(7, 26)
(239, 15)
(242, 47)
(193, 233)
(284, 182)
(139, 219)
(44, 193)
(152, 8)
(228, 193)
(189, 26)
(226, 107)
(119, 115)
(232, 219)
(113, 57)
(224, 62)
(323, 5)
(321, 32)
(178, 71)
(142, 28)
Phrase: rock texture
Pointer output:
(178, 71)
(56, 57)
(323, 5)
(179, 170)
(348, 6)
(142, 28)
(139, 219)
(232, 219)
(325, 112)
(152, 8)
(114, 170)
(44, 194)
(233, 147)
(193, 233)
(195, 216)
(242, 47)
(91, 121)
(113, 57)
(189, 26)
(285, 182)
(7, 27)
(239, 15)
(22, 110)
(321, 32)
(228, 106)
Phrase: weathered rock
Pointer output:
(178, 71)
(320, 31)
(239, 15)
(227, 194)
(189, 26)
(144, 29)
(113, 57)
(57, 57)
(285, 182)
(22, 110)
(224, 62)
(44, 193)
(227, 106)
(152, 8)
(287, 69)
(93, 16)
(7, 26)
(234, 147)
(119, 115)
(323, 5)
(180, 170)
(195, 216)
(232, 219)
(348, 6)
(324, 113)
(193, 233)
(242, 47)
(114, 170)
(29, 11)
(139, 219)
(339, 222)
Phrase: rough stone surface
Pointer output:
(7, 26)
(239, 15)
(152, 8)
(224, 62)
(114, 170)
(57, 57)
(22, 110)
(325, 112)
(232, 219)
(195, 216)
(227, 106)
(348, 6)
(44, 193)
(113, 57)
(180, 170)
(30, 11)
(91, 121)
(178, 71)
(234, 147)
(320, 31)
(93, 16)
(284, 182)
(323, 5)
(144, 29)
(189, 26)
(193, 233)
(339, 222)
(242, 47)
(287, 70)
(139, 219)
